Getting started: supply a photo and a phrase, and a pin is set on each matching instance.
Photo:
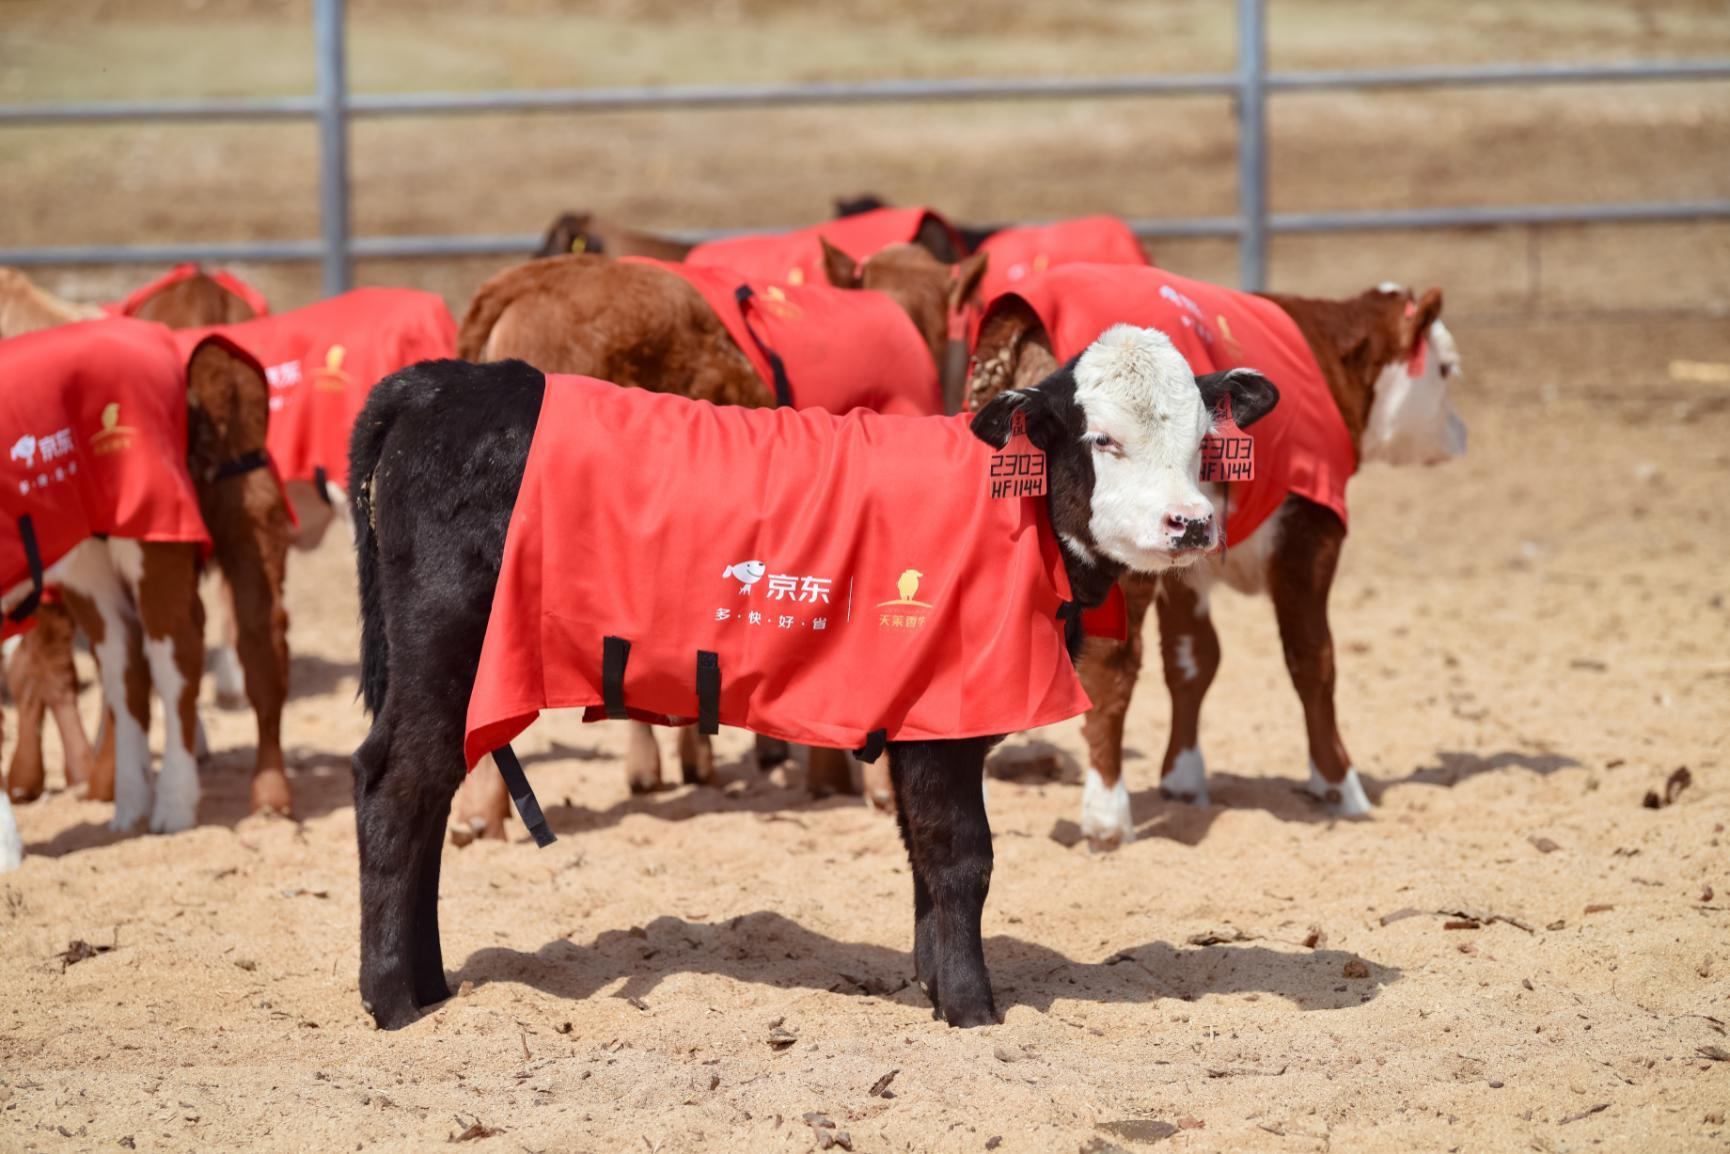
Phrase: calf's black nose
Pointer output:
(1190, 533)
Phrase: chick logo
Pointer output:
(331, 378)
(908, 586)
(775, 301)
(113, 437)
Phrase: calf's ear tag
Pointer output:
(1018, 468)
(1227, 453)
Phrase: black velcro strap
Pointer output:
(777, 369)
(32, 558)
(243, 464)
(321, 482)
(615, 651)
(1070, 614)
(523, 794)
(708, 692)
(873, 747)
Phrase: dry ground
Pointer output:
(1529, 641)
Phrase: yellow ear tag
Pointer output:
(579, 243)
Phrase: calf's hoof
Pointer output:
(1345, 799)
(232, 702)
(173, 813)
(465, 830)
(1105, 816)
(22, 788)
(1186, 781)
(270, 793)
(771, 751)
(968, 1010)
(392, 1011)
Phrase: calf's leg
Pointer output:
(643, 759)
(103, 607)
(43, 680)
(1300, 577)
(941, 809)
(1190, 649)
(829, 772)
(1108, 672)
(696, 757)
(172, 617)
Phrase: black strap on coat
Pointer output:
(873, 747)
(615, 651)
(321, 483)
(708, 692)
(523, 794)
(32, 558)
(777, 369)
(243, 464)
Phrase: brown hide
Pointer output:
(583, 232)
(193, 303)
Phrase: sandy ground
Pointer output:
(1529, 641)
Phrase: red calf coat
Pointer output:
(180, 272)
(93, 417)
(323, 360)
(794, 258)
(1301, 447)
(1018, 253)
(840, 349)
(796, 558)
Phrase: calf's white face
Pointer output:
(1412, 419)
(1145, 419)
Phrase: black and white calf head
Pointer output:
(1122, 428)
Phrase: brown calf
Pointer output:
(39, 671)
(584, 232)
(1364, 346)
(644, 327)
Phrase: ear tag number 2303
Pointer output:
(1018, 468)
(1227, 453)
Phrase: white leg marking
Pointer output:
(1185, 657)
(177, 786)
(1105, 816)
(230, 677)
(91, 570)
(1187, 780)
(1347, 799)
(11, 845)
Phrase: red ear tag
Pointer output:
(1018, 468)
(1109, 619)
(1415, 363)
(1227, 453)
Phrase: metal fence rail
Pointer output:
(1250, 85)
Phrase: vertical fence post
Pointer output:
(332, 142)
(1251, 145)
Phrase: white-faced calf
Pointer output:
(455, 616)
(1361, 379)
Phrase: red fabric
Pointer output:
(796, 258)
(1301, 447)
(93, 416)
(639, 517)
(1018, 253)
(180, 272)
(842, 349)
(323, 360)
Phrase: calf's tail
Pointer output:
(366, 447)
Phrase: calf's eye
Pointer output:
(1101, 441)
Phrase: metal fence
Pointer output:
(1250, 85)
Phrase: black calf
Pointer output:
(437, 458)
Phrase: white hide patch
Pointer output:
(1185, 658)
(230, 677)
(11, 844)
(1187, 780)
(128, 557)
(1351, 801)
(1136, 389)
(1105, 819)
(1412, 419)
(176, 807)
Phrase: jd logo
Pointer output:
(112, 437)
(24, 449)
(746, 573)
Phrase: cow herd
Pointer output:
(887, 488)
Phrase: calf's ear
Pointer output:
(964, 285)
(1046, 426)
(1252, 395)
(841, 269)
